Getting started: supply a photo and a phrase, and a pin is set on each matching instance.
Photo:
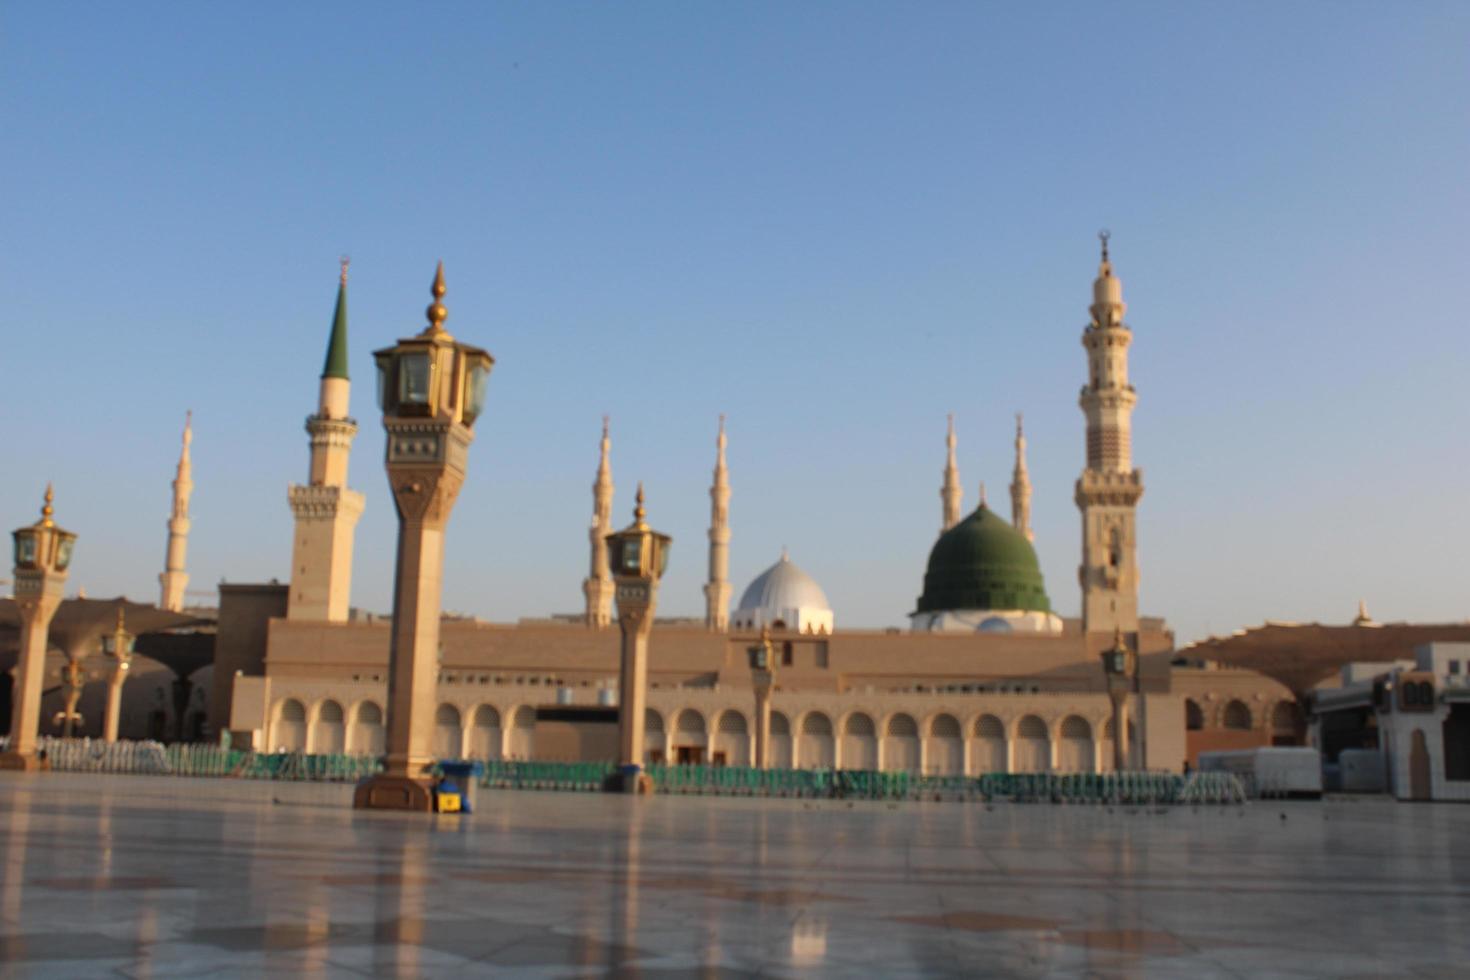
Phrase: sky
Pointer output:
(833, 222)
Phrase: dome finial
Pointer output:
(1103, 237)
(346, 260)
(437, 311)
(46, 510)
(982, 493)
(638, 511)
(785, 554)
(1363, 619)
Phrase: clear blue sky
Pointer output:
(834, 222)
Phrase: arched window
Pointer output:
(1237, 716)
(1194, 716)
(330, 712)
(487, 717)
(780, 724)
(1283, 716)
(857, 724)
(1075, 727)
(652, 721)
(902, 725)
(816, 723)
(944, 726)
(690, 722)
(293, 710)
(733, 723)
(447, 716)
(369, 713)
(989, 726)
(1031, 727)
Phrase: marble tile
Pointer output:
(159, 877)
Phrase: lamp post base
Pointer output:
(384, 792)
(18, 762)
(630, 779)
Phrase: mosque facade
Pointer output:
(988, 676)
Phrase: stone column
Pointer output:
(37, 596)
(1118, 695)
(636, 600)
(114, 701)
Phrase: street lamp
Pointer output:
(762, 679)
(43, 554)
(637, 557)
(1120, 666)
(118, 646)
(431, 389)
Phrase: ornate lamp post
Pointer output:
(1120, 665)
(431, 389)
(42, 556)
(762, 679)
(117, 645)
(638, 556)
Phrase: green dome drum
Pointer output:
(983, 563)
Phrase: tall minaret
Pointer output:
(326, 511)
(1109, 489)
(951, 493)
(173, 578)
(717, 590)
(598, 586)
(1021, 487)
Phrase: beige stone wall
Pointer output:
(1238, 709)
(832, 693)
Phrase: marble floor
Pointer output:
(134, 876)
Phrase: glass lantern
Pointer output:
(474, 394)
(65, 543)
(25, 547)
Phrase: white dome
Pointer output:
(786, 595)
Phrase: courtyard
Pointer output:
(137, 876)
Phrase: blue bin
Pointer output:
(461, 778)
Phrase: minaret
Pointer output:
(173, 579)
(951, 494)
(1109, 489)
(326, 511)
(598, 586)
(1021, 487)
(717, 590)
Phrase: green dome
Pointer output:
(983, 563)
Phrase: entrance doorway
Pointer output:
(689, 755)
(1418, 767)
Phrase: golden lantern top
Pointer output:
(638, 551)
(432, 375)
(43, 546)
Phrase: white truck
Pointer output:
(1275, 772)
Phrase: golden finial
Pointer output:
(638, 512)
(982, 493)
(437, 311)
(46, 510)
(1019, 433)
(604, 426)
(1103, 237)
(346, 260)
(188, 427)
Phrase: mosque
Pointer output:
(988, 676)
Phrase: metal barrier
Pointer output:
(193, 759)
